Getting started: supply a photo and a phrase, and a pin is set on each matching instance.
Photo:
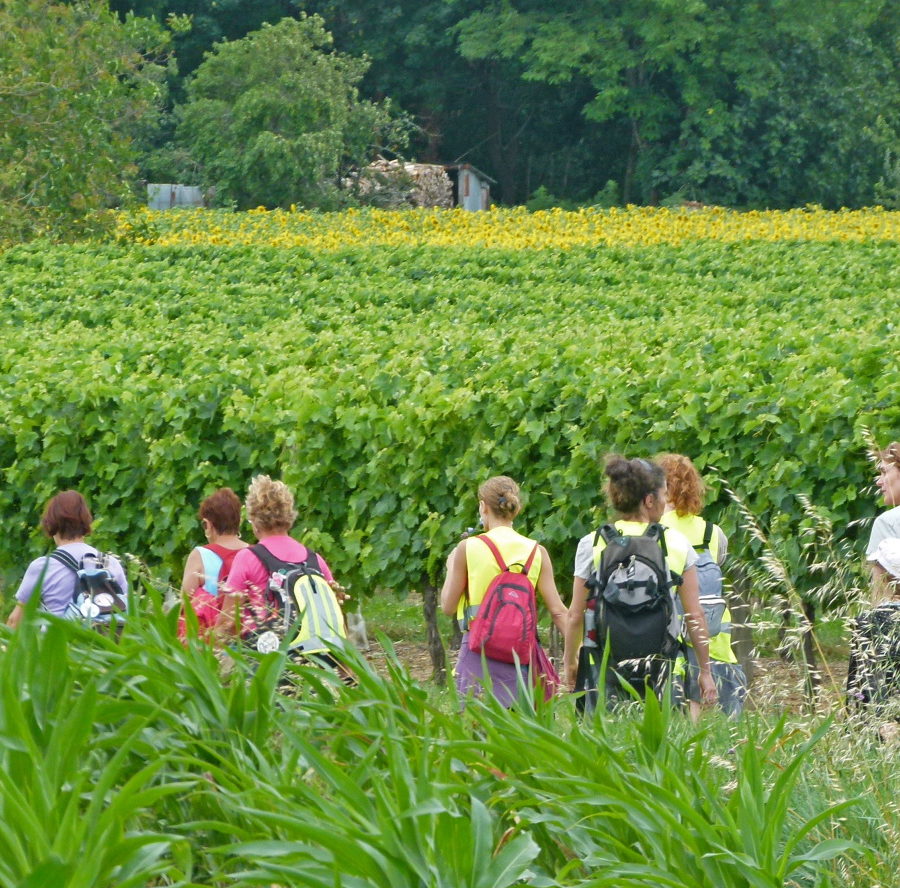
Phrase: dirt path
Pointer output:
(776, 685)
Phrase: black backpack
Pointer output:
(873, 676)
(630, 597)
(97, 598)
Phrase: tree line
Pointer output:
(764, 103)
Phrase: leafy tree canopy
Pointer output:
(76, 86)
(274, 117)
(764, 101)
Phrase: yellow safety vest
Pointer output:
(694, 527)
(482, 567)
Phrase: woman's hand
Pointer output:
(341, 592)
(228, 623)
(708, 692)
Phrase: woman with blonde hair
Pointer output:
(271, 514)
(471, 568)
(685, 494)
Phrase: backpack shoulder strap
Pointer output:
(273, 564)
(707, 534)
(658, 532)
(608, 532)
(269, 561)
(311, 562)
(65, 558)
(527, 566)
(494, 550)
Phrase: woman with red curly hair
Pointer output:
(686, 495)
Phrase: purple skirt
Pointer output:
(504, 677)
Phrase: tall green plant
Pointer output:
(151, 760)
(805, 571)
(76, 784)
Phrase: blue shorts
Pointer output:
(731, 683)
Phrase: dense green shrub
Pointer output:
(384, 385)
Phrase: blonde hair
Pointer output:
(501, 495)
(270, 504)
(890, 456)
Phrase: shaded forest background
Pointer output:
(762, 103)
(752, 103)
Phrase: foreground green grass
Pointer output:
(143, 763)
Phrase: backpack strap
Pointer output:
(658, 532)
(608, 532)
(66, 559)
(494, 551)
(707, 534)
(527, 566)
(273, 564)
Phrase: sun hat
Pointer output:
(888, 556)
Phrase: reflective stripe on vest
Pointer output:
(720, 645)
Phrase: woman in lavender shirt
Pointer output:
(67, 521)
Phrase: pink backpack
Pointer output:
(505, 627)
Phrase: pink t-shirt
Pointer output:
(249, 575)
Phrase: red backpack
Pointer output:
(505, 627)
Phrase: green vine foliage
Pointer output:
(384, 385)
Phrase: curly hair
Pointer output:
(890, 456)
(270, 505)
(501, 495)
(630, 480)
(687, 491)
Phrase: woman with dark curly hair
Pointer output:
(636, 489)
(686, 494)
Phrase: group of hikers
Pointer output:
(646, 596)
(648, 612)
